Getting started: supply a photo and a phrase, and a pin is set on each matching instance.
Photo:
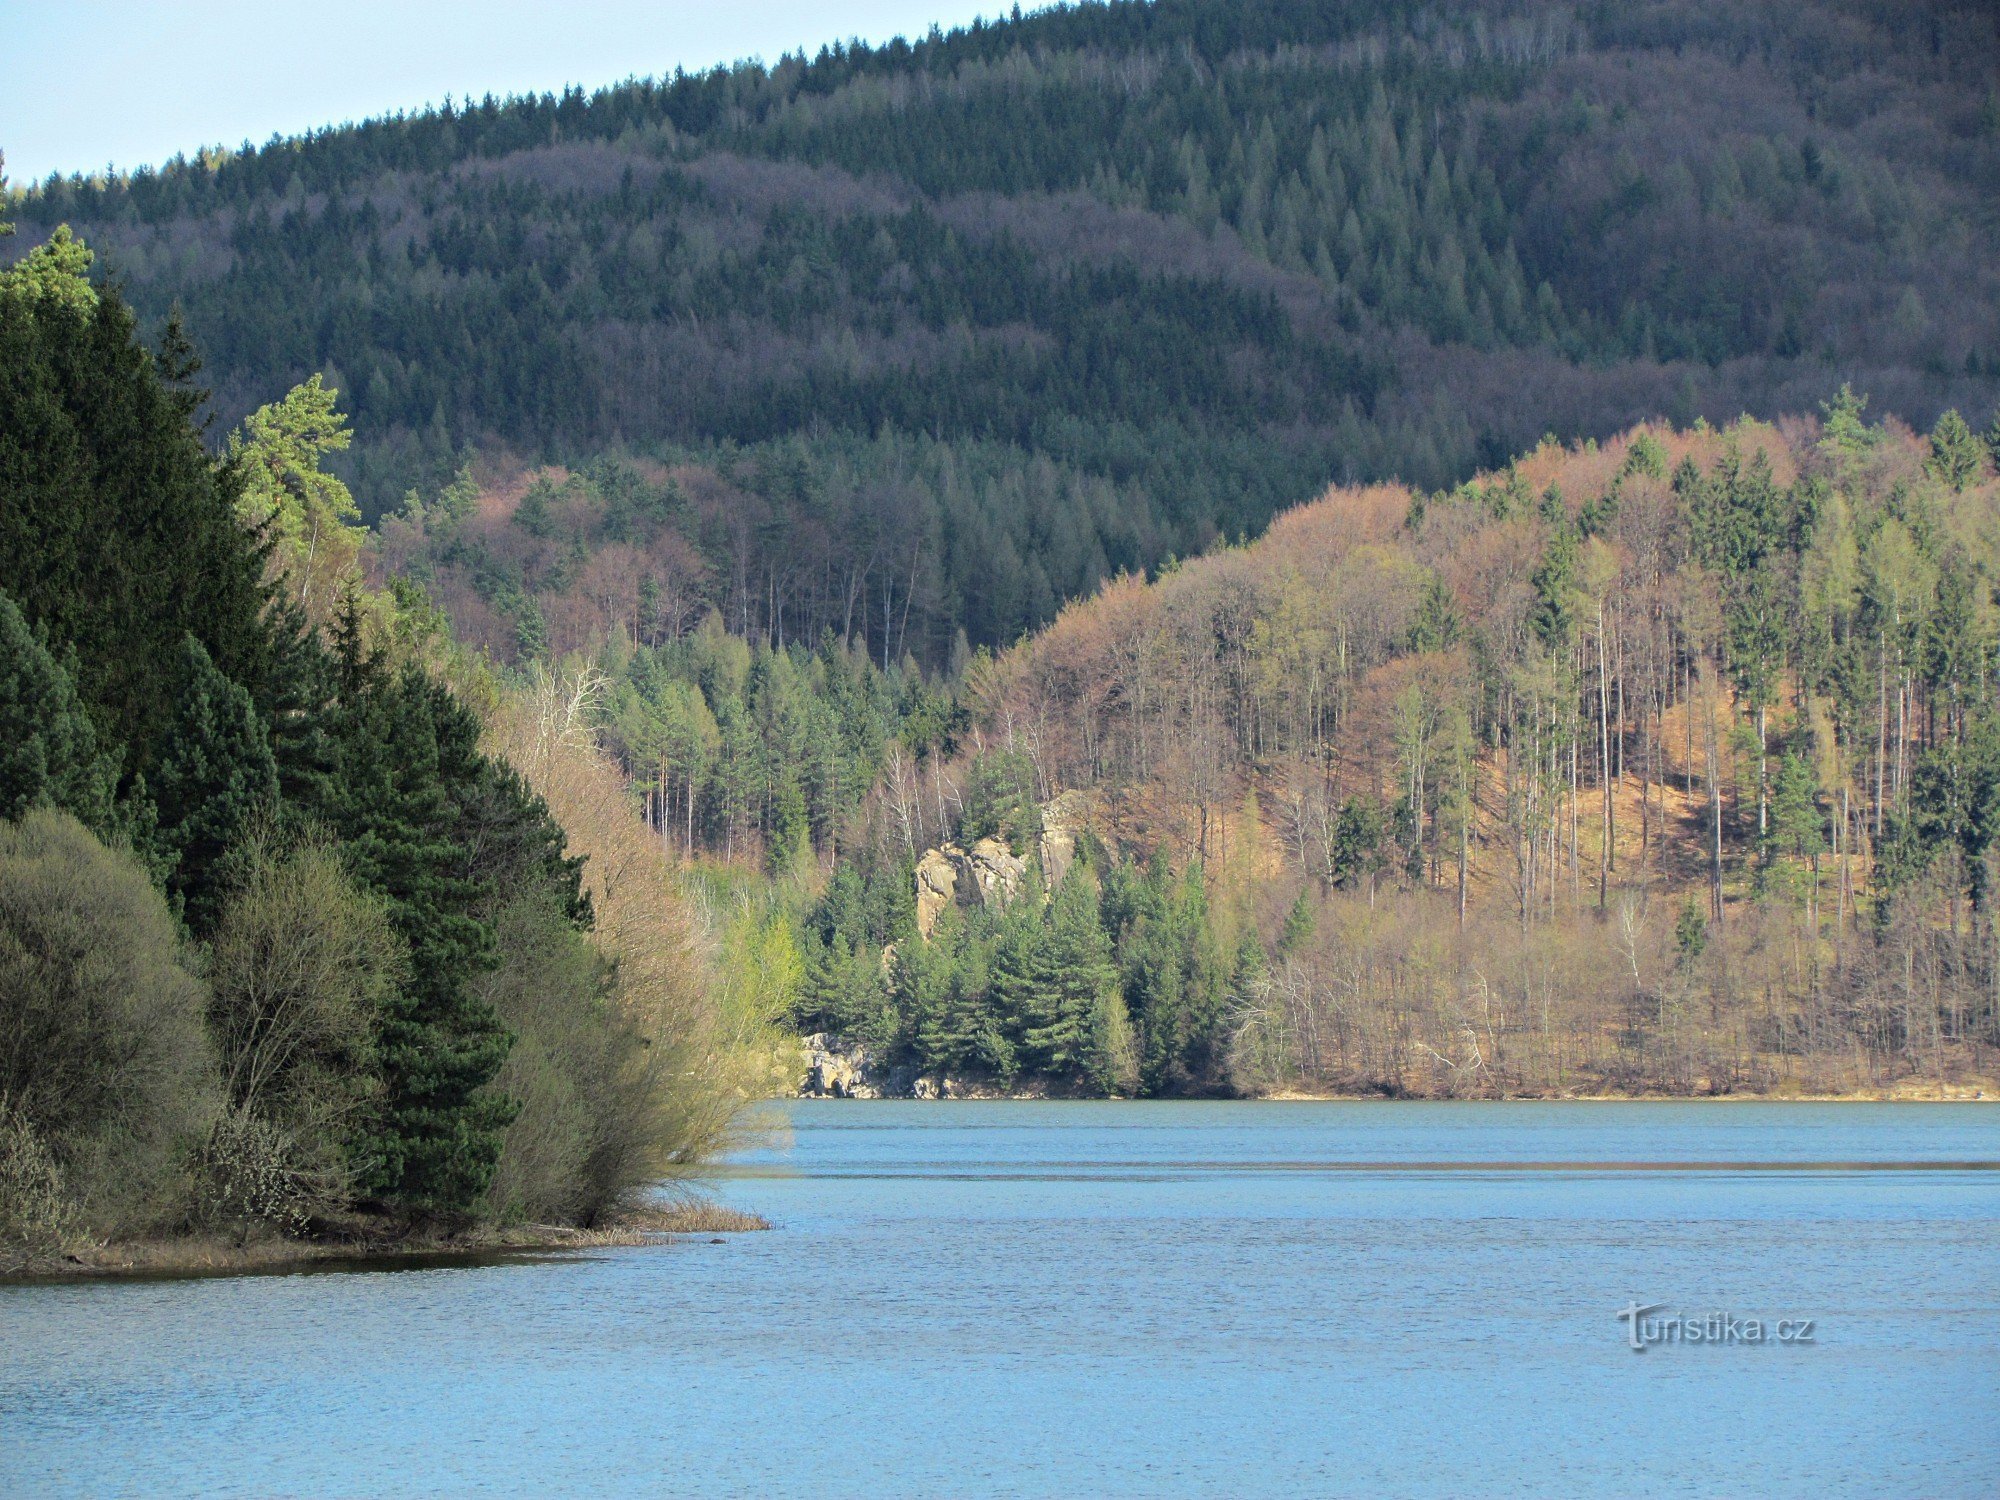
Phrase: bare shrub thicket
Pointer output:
(627, 1061)
(39, 1220)
(1394, 996)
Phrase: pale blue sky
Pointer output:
(91, 82)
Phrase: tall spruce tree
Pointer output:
(1068, 1010)
(118, 534)
(214, 778)
(1957, 456)
(407, 771)
(48, 746)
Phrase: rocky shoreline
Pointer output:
(837, 1068)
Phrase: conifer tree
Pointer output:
(118, 534)
(408, 771)
(214, 778)
(48, 746)
(1956, 456)
(1066, 1010)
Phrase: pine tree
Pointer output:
(1068, 1009)
(48, 746)
(1797, 825)
(1358, 855)
(118, 534)
(1554, 617)
(1298, 927)
(1957, 458)
(1020, 972)
(215, 776)
(402, 797)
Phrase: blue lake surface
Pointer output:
(1116, 1299)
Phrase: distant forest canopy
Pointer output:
(972, 323)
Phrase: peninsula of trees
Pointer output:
(291, 941)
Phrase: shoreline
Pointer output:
(1951, 1093)
(187, 1257)
(1982, 1093)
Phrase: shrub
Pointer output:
(103, 1054)
(38, 1218)
(650, 1060)
(300, 963)
(565, 1069)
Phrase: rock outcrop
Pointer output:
(937, 886)
(989, 873)
(836, 1069)
(1062, 820)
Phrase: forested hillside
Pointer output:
(953, 330)
(291, 941)
(1669, 762)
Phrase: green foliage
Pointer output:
(306, 514)
(1229, 311)
(300, 965)
(410, 796)
(1174, 975)
(54, 276)
(1690, 932)
(1027, 989)
(214, 779)
(1000, 801)
(735, 746)
(1555, 582)
(575, 1067)
(1359, 842)
(48, 744)
(103, 1053)
(944, 985)
(152, 683)
(1846, 432)
(1078, 1023)
(1957, 458)
(39, 1219)
(118, 536)
(1298, 926)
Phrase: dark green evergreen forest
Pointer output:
(966, 325)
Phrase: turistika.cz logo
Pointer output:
(1643, 1330)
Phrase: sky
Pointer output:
(91, 83)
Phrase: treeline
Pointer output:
(1662, 763)
(283, 946)
(1180, 267)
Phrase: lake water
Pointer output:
(1058, 1299)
